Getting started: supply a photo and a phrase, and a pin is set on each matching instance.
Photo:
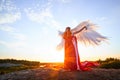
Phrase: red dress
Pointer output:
(71, 57)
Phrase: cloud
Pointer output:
(65, 1)
(13, 32)
(13, 45)
(19, 43)
(19, 39)
(9, 18)
(101, 18)
(19, 36)
(39, 17)
(74, 23)
(7, 28)
(42, 14)
(55, 24)
(7, 6)
(8, 12)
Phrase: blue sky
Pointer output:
(29, 28)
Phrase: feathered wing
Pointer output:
(61, 44)
(89, 36)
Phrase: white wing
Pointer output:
(61, 44)
(89, 36)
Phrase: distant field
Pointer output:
(11, 65)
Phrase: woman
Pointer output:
(86, 33)
(71, 60)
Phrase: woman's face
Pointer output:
(68, 29)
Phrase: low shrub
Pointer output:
(110, 63)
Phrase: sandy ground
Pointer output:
(60, 74)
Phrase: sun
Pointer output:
(56, 56)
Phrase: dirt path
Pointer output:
(52, 74)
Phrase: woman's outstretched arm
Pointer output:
(80, 30)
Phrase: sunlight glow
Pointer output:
(29, 28)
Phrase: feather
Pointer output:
(61, 44)
(89, 36)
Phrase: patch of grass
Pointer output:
(110, 63)
(25, 62)
(24, 65)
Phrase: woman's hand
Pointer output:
(85, 27)
(80, 30)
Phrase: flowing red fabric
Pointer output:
(71, 57)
